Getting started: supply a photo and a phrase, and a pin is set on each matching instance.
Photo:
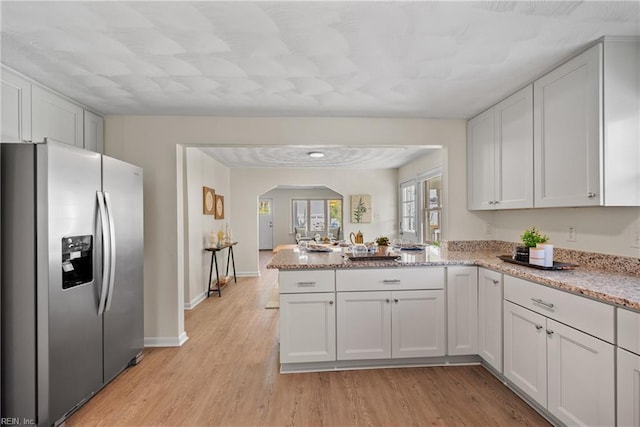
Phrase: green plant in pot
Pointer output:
(530, 239)
(383, 243)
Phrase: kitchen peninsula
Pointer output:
(537, 331)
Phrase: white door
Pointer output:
(581, 377)
(480, 161)
(55, 117)
(462, 310)
(417, 324)
(514, 151)
(525, 351)
(265, 213)
(628, 389)
(364, 325)
(490, 317)
(307, 327)
(567, 137)
(16, 108)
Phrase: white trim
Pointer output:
(194, 302)
(166, 341)
(248, 274)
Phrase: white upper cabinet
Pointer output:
(587, 128)
(56, 118)
(93, 132)
(16, 108)
(500, 155)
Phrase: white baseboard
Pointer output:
(248, 274)
(197, 300)
(166, 341)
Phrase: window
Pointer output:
(408, 211)
(420, 208)
(317, 215)
(432, 209)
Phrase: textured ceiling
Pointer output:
(393, 59)
(292, 156)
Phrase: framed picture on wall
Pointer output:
(361, 208)
(208, 200)
(219, 208)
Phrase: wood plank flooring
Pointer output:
(226, 374)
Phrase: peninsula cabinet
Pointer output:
(568, 371)
(490, 317)
(307, 316)
(628, 356)
(462, 310)
(500, 155)
(16, 108)
(587, 128)
(390, 313)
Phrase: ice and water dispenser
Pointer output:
(77, 261)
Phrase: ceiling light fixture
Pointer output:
(315, 154)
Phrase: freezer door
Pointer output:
(75, 328)
(123, 319)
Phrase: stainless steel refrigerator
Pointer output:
(71, 296)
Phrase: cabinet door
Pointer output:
(417, 326)
(481, 161)
(514, 151)
(581, 377)
(525, 351)
(16, 108)
(567, 136)
(307, 328)
(490, 317)
(56, 118)
(628, 389)
(364, 325)
(462, 310)
(93, 132)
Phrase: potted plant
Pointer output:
(530, 239)
(383, 243)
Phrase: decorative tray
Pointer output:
(556, 265)
(373, 257)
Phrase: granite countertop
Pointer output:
(607, 286)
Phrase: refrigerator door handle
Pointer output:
(106, 267)
(112, 250)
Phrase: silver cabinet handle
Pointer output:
(491, 202)
(549, 332)
(391, 281)
(306, 284)
(112, 250)
(330, 302)
(538, 327)
(106, 266)
(539, 301)
(495, 282)
(395, 300)
(495, 202)
(388, 300)
(591, 195)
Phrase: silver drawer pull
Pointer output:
(538, 327)
(391, 281)
(306, 284)
(495, 282)
(591, 195)
(549, 332)
(330, 302)
(539, 301)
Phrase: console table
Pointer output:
(214, 261)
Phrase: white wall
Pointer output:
(150, 142)
(202, 170)
(430, 161)
(251, 183)
(281, 209)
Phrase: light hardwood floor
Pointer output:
(226, 374)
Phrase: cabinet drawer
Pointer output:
(590, 316)
(295, 282)
(390, 279)
(629, 330)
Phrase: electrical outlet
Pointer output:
(635, 239)
(572, 235)
(488, 229)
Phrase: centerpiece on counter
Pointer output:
(383, 244)
(531, 238)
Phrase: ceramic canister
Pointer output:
(536, 256)
(548, 253)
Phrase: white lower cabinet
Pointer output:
(628, 388)
(307, 327)
(390, 324)
(490, 317)
(568, 372)
(462, 310)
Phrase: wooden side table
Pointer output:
(214, 261)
